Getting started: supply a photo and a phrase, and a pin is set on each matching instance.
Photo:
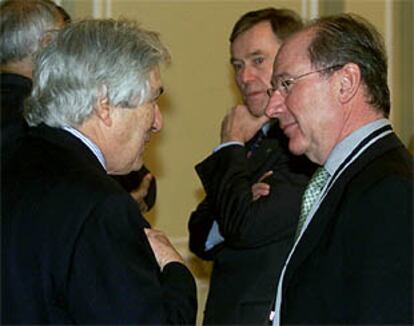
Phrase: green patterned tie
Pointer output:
(312, 192)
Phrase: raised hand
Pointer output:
(240, 125)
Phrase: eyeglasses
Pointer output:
(284, 86)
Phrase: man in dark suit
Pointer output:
(247, 239)
(352, 260)
(75, 247)
(24, 25)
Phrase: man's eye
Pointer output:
(237, 66)
(258, 60)
(286, 84)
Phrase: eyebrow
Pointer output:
(159, 92)
(282, 75)
(156, 94)
(250, 55)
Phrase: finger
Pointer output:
(146, 181)
(260, 187)
(142, 190)
(264, 119)
(260, 190)
(264, 176)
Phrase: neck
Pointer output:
(352, 122)
(22, 68)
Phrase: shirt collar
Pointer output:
(89, 143)
(265, 128)
(345, 147)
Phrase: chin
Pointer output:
(296, 148)
(137, 165)
(256, 110)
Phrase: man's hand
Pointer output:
(141, 192)
(240, 125)
(261, 189)
(163, 249)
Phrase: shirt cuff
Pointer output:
(229, 143)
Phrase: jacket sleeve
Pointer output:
(243, 222)
(114, 277)
(199, 226)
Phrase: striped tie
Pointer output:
(312, 192)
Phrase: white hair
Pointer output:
(90, 60)
(22, 25)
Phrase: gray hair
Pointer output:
(91, 60)
(345, 38)
(22, 25)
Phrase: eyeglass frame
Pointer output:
(292, 80)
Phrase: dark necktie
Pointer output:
(255, 143)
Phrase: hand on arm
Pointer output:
(163, 249)
(240, 125)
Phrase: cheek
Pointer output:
(266, 74)
(238, 80)
(144, 124)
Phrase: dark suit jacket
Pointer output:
(354, 262)
(73, 245)
(13, 91)
(258, 235)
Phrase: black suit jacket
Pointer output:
(258, 235)
(354, 262)
(73, 245)
(13, 91)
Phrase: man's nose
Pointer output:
(276, 105)
(158, 120)
(247, 74)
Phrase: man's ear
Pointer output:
(350, 81)
(47, 38)
(103, 110)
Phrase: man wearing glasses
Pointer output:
(352, 259)
(249, 235)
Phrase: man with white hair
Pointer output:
(75, 247)
(23, 25)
